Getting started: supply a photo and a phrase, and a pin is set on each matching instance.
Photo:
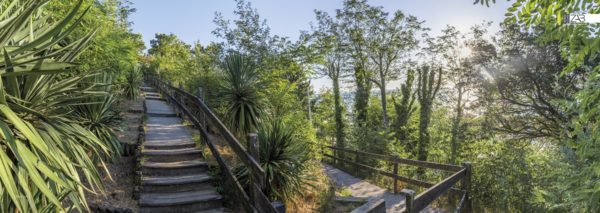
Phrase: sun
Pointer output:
(465, 52)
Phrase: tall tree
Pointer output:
(464, 58)
(404, 110)
(249, 34)
(391, 40)
(353, 17)
(529, 92)
(430, 79)
(327, 38)
(169, 56)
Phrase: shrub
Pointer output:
(283, 157)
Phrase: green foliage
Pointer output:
(99, 115)
(203, 69)
(524, 114)
(506, 176)
(579, 44)
(46, 154)
(404, 110)
(114, 48)
(323, 117)
(250, 35)
(427, 88)
(169, 57)
(133, 82)
(283, 156)
(585, 140)
(240, 91)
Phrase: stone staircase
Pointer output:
(174, 173)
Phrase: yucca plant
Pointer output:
(283, 156)
(133, 81)
(98, 114)
(240, 91)
(44, 154)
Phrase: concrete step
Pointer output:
(152, 94)
(172, 155)
(158, 108)
(193, 201)
(160, 114)
(180, 183)
(217, 210)
(157, 98)
(165, 145)
(150, 168)
(148, 89)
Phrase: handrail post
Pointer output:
(466, 186)
(256, 179)
(181, 100)
(409, 196)
(335, 155)
(200, 95)
(356, 159)
(395, 175)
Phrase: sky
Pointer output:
(192, 20)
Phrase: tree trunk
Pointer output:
(384, 104)
(456, 126)
(363, 88)
(403, 113)
(425, 116)
(308, 103)
(339, 121)
(428, 88)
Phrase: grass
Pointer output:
(316, 198)
(344, 192)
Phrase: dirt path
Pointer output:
(119, 185)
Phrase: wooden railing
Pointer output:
(413, 204)
(200, 115)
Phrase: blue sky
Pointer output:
(192, 20)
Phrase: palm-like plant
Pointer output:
(98, 114)
(44, 154)
(133, 81)
(240, 91)
(283, 156)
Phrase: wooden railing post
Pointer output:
(395, 175)
(181, 100)
(356, 161)
(409, 197)
(256, 179)
(200, 94)
(466, 186)
(336, 156)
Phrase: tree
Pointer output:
(529, 91)
(250, 35)
(430, 79)
(579, 43)
(169, 56)
(114, 48)
(391, 40)
(404, 110)
(353, 18)
(464, 56)
(203, 68)
(327, 40)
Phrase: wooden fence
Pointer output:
(413, 204)
(200, 115)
